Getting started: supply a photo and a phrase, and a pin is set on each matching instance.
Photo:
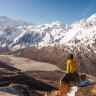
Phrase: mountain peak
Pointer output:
(6, 21)
(4, 17)
(57, 23)
(92, 17)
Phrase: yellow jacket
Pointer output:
(71, 66)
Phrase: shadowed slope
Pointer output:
(10, 74)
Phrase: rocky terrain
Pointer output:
(15, 81)
(86, 63)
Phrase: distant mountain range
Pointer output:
(18, 34)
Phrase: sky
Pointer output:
(47, 11)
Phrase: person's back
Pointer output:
(71, 66)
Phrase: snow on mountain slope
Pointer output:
(43, 35)
(19, 34)
(10, 29)
(5, 21)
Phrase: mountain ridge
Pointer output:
(21, 34)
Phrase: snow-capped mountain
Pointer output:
(20, 34)
(5, 21)
(10, 29)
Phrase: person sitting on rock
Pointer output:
(71, 74)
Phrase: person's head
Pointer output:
(70, 56)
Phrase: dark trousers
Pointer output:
(72, 77)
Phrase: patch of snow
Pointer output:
(72, 91)
(16, 90)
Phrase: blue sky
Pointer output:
(47, 11)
